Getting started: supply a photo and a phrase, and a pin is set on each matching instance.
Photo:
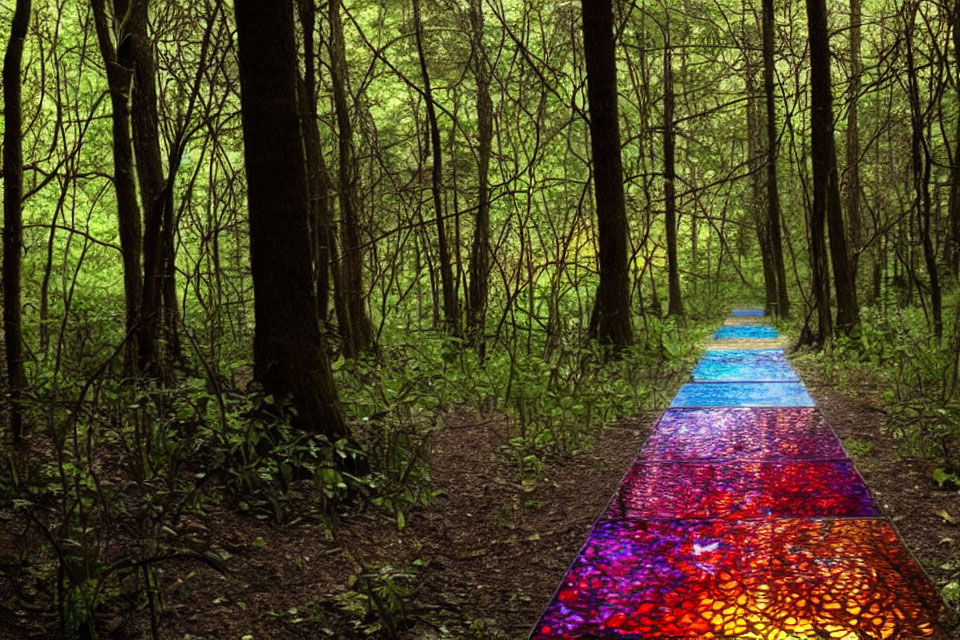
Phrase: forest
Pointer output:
(342, 318)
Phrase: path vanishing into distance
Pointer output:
(743, 517)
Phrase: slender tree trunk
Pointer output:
(119, 81)
(826, 187)
(611, 315)
(322, 230)
(954, 258)
(775, 243)
(137, 54)
(853, 131)
(921, 166)
(358, 334)
(451, 314)
(674, 302)
(289, 359)
(13, 215)
(480, 252)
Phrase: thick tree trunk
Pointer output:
(674, 302)
(611, 315)
(921, 165)
(480, 252)
(119, 81)
(451, 313)
(13, 215)
(289, 359)
(775, 242)
(358, 333)
(826, 187)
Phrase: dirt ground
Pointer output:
(488, 554)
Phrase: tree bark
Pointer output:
(921, 164)
(954, 204)
(480, 251)
(358, 333)
(119, 80)
(853, 131)
(610, 322)
(826, 187)
(322, 229)
(13, 215)
(451, 314)
(137, 54)
(674, 302)
(775, 242)
(289, 359)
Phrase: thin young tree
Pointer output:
(13, 214)
(119, 79)
(774, 236)
(451, 313)
(355, 326)
(826, 187)
(610, 322)
(674, 301)
(289, 358)
(480, 251)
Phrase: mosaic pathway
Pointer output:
(742, 517)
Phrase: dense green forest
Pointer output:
(316, 314)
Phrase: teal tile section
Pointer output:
(743, 394)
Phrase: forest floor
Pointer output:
(483, 560)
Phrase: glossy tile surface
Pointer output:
(745, 332)
(743, 394)
(744, 365)
(742, 517)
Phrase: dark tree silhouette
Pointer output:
(289, 359)
(610, 321)
(13, 213)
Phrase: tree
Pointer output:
(954, 203)
(921, 163)
(354, 324)
(289, 359)
(451, 313)
(826, 188)
(610, 322)
(13, 214)
(480, 251)
(674, 303)
(775, 243)
(853, 129)
(119, 79)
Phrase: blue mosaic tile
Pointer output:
(747, 313)
(745, 331)
(743, 394)
(744, 365)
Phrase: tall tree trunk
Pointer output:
(853, 131)
(921, 165)
(358, 334)
(954, 204)
(119, 81)
(611, 314)
(451, 314)
(826, 187)
(289, 358)
(775, 243)
(322, 230)
(674, 303)
(13, 215)
(137, 54)
(756, 158)
(480, 252)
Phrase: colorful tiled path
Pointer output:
(742, 518)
